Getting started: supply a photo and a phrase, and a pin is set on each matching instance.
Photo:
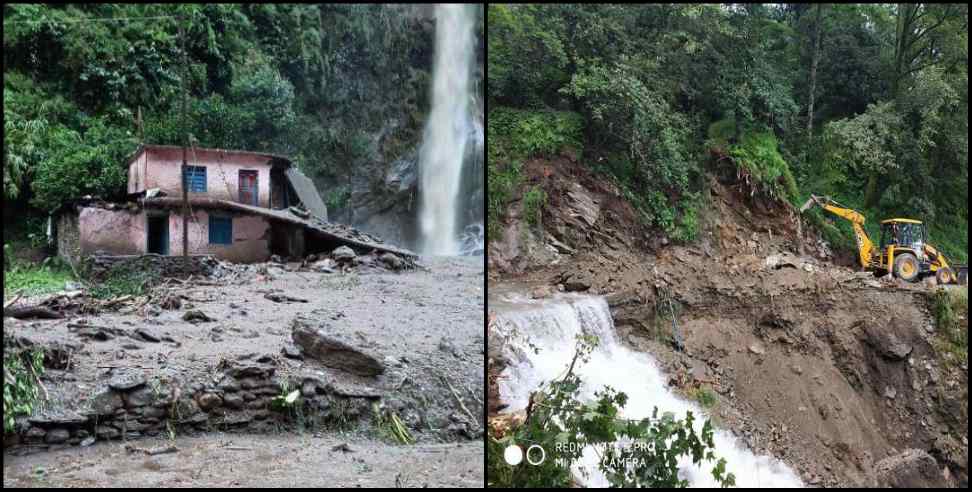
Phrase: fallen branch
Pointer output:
(461, 404)
(12, 301)
(31, 312)
(153, 451)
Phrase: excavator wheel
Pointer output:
(945, 276)
(906, 267)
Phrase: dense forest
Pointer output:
(865, 103)
(341, 89)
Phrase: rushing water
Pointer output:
(449, 134)
(553, 325)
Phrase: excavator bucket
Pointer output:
(806, 205)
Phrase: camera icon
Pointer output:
(535, 455)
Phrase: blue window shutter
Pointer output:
(196, 179)
(220, 230)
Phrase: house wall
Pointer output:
(120, 232)
(162, 167)
(251, 236)
(116, 232)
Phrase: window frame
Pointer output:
(217, 240)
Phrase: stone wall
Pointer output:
(130, 406)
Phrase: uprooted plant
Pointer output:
(21, 384)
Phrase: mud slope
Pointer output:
(830, 369)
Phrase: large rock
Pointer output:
(892, 341)
(127, 380)
(343, 254)
(913, 468)
(333, 349)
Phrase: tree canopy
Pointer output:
(659, 87)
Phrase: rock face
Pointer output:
(912, 468)
(333, 350)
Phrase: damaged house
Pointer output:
(243, 207)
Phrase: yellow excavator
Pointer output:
(903, 251)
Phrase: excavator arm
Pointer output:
(865, 247)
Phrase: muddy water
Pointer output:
(553, 325)
(234, 460)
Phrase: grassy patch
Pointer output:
(950, 307)
(49, 276)
(705, 396)
(533, 203)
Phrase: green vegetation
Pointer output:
(123, 279)
(21, 374)
(951, 309)
(865, 103)
(561, 418)
(705, 396)
(533, 202)
(389, 426)
(50, 276)
(315, 82)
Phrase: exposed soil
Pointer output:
(424, 326)
(828, 368)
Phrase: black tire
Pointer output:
(906, 267)
(945, 276)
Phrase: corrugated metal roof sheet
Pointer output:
(307, 193)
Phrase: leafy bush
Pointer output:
(758, 155)
(523, 134)
(21, 370)
(559, 417)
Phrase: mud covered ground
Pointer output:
(830, 369)
(424, 325)
(222, 460)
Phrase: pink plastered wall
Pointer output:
(116, 232)
(156, 167)
(251, 236)
(120, 232)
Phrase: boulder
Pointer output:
(334, 349)
(912, 468)
(343, 254)
(391, 261)
(106, 402)
(576, 281)
(891, 340)
(126, 381)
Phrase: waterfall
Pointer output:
(449, 131)
(553, 325)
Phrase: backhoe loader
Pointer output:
(903, 251)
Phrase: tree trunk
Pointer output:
(813, 71)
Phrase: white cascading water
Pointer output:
(553, 326)
(448, 130)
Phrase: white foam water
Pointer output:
(448, 129)
(553, 325)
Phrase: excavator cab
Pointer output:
(903, 248)
(903, 233)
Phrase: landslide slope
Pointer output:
(827, 368)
